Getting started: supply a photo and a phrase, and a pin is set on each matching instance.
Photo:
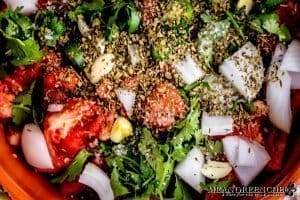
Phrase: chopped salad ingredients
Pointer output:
(148, 99)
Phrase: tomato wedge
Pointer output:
(72, 128)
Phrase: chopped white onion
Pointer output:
(188, 69)
(29, 6)
(96, 179)
(246, 155)
(234, 148)
(55, 107)
(278, 93)
(291, 59)
(216, 125)
(231, 148)
(189, 170)
(35, 148)
(127, 98)
(242, 67)
(295, 76)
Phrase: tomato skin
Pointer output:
(71, 129)
(213, 196)
(275, 142)
(58, 81)
(6, 101)
(295, 102)
(71, 188)
(20, 79)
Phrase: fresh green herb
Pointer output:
(16, 25)
(50, 27)
(270, 23)
(216, 186)
(206, 18)
(17, 29)
(214, 147)
(75, 167)
(273, 3)
(153, 153)
(190, 130)
(87, 8)
(238, 27)
(23, 52)
(118, 188)
(125, 17)
(249, 106)
(160, 53)
(191, 86)
(181, 192)
(75, 54)
(162, 158)
(22, 107)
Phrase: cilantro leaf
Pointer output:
(152, 151)
(23, 52)
(270, 22)
(214, 147)
(51, 28)
(273, 3)
(87, 7)
(15, 24)
(17, 31)
(22, 107)
(75, 54)
(75, 167)
(149, 147)
(118, 188)
(238, 27)
(125, 17)
(249, 106)
(181, 192)
(216, 186)
(190, 130)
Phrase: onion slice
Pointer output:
(279, 92)
(96, 179)
(258, 157)
(216, 125)
(189, 169)
(244, 67)
(291, 59)
(189, 70)
(55, 107)
(127, 98)
(29, 6)
(35, 148)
